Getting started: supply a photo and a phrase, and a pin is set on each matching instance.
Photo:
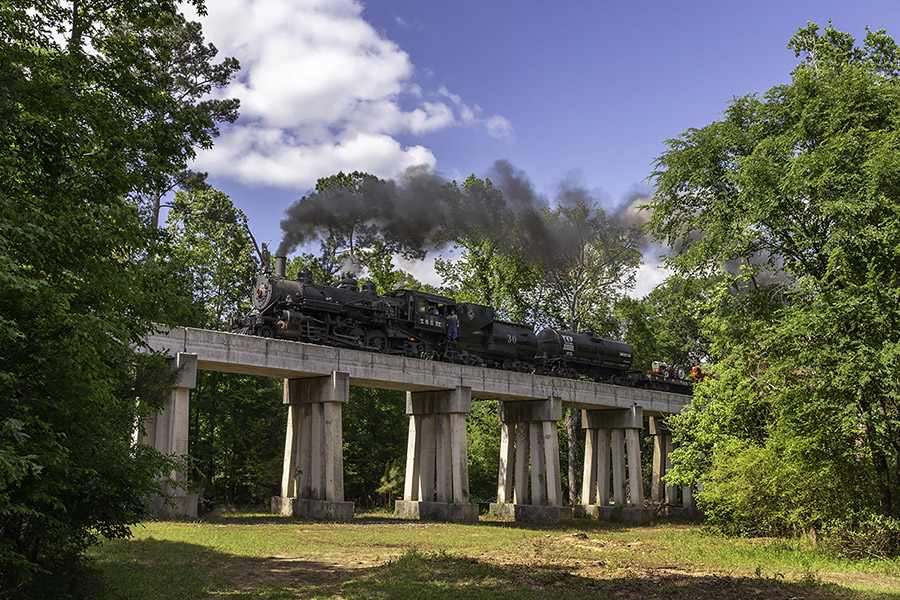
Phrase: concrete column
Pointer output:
(443, 460)
(437, 459)
(459, 455)
(589, 480)
(425, 456)
(618, 466)
(635, 476)
(551, 460)
(523, 451)
(603, 466)
(658, 465)
(304, 453)
(538, 464)
(530, 426)
(313, 471)
(167, 431)
(411, 482)
(507, 461)
(613, 439)
(671, 490)
(290, 471)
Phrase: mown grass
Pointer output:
(263, 556)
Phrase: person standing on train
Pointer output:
(452, 326)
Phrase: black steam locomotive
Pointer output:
(417, 324)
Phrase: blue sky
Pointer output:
(579, 91)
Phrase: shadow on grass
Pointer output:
(440, 576)
(151, 569)
(385, 518)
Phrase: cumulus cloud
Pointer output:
(321, 91)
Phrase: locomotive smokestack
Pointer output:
(280, 262)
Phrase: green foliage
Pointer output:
(792, 198)
(483, 437)
(390, 487)
(573, 285)
(210, 242)
(666, 324)
(237, 434)
(82, 280)
(375, 430)
(484, 274)
(583, 280)
(181, 66)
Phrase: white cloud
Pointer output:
(650, 274)
(270, 156)
(499, 127)
(321, 91)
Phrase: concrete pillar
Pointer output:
(523, 452)
(589, 481)
(635, 474)
(167, 431)
(658, 465)
(505, 491)
(671, 490)
(612, 444)
(617, 437)
(603, 465)
(312, 481)
(687, 498)
(437, 459)
(529, 463)
(666, 495)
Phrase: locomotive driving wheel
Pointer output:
(376, 341)
(266, 331)
(414, 349)
(469, 359)
(358, 335)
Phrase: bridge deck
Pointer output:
(251, 355)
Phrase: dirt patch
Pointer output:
(551, 566)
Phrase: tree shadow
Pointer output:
(150, 568)
(440, 576)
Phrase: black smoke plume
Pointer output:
(420, 211)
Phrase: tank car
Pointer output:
(570, 354)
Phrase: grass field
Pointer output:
(241, 555)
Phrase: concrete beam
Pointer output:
(531, 411)
(251, 355)
(623, 418)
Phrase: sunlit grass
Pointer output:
(263, 556)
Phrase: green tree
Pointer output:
(595, 266)
(236, 421)
(182, 67)
(792, 197)
(211, 243)
(82, 280)
(666, 324)
(375, 428)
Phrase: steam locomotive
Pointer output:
(412, 323)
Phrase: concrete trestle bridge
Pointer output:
(317, 381)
